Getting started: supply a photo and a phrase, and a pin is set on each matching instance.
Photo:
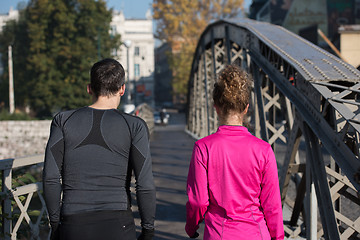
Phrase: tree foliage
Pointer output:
(12, 34)
(180, 23)
(55, 43)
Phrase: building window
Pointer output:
(114, 52)
(113, 30)
(137, 51)
(137, 70)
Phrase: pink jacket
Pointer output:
(233, 185)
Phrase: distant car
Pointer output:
(157, 118)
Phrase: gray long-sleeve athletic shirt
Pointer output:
(89, 159)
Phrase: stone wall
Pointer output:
(23, 138)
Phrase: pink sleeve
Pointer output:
(270, 198)
(197, 191)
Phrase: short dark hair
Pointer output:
(106, 77)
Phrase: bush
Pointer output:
(5, 115)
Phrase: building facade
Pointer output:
(163, 77)
(136, 54)
(349, 44)
(295, 15)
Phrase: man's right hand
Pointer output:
(55, 232)
(146, 234)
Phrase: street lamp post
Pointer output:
(127, 44)
(11, 82)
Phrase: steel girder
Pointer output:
(305, 104)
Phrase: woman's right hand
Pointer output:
(196, 234)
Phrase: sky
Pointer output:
(131, 8)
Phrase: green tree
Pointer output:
(13, 34)
(64, 38)
(180, 23)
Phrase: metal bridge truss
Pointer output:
(305, 103)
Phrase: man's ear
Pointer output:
(88, 88)
(122, 90)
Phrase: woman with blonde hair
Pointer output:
(232, 180)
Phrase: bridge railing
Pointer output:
(16, 201)
(305, 99)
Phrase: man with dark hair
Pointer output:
(89, 159)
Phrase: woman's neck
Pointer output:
(232, 119)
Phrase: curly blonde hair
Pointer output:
(232, 90)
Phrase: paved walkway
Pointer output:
(171, 150)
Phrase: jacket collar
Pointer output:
(236, 129)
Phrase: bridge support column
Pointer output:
(259, 99)
(318, 176)
(311, 205)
